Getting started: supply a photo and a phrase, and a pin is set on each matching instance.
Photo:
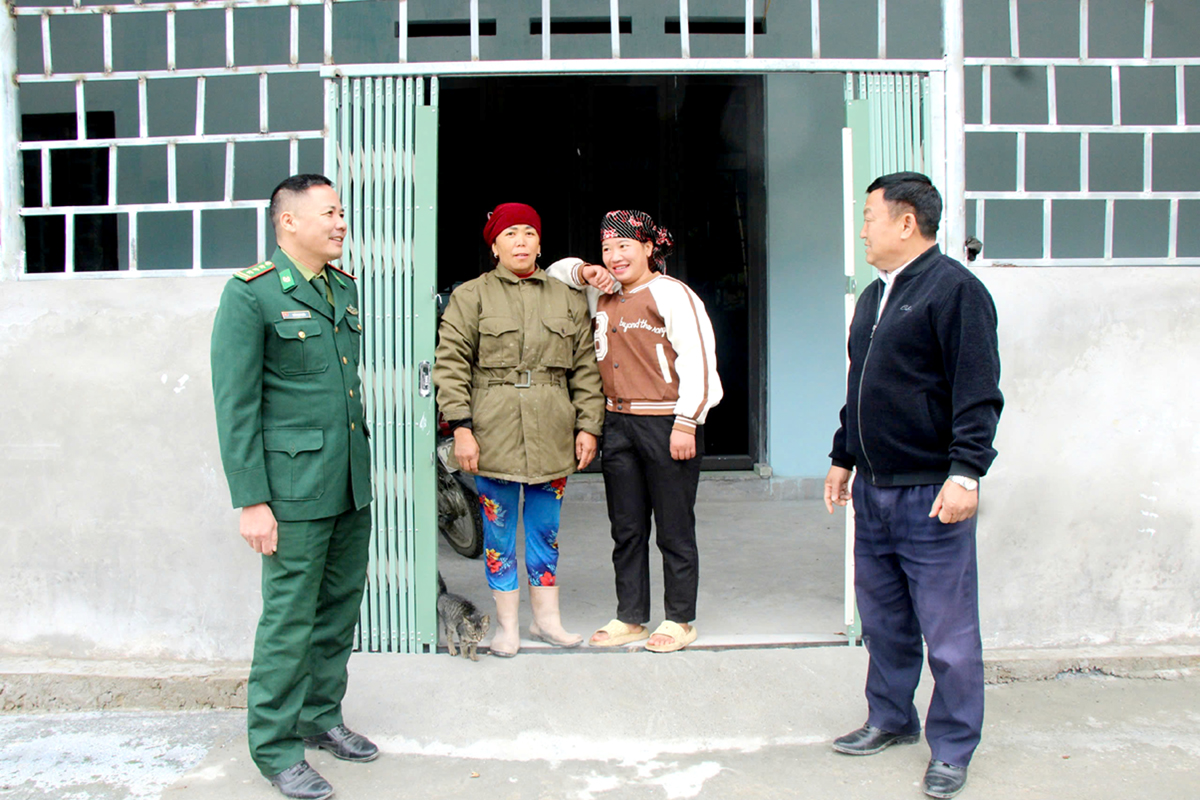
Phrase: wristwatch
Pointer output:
(970, 484)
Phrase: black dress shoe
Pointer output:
(944, 780)
(869, 740)
(345, 744)
(302, 782)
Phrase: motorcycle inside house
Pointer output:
(459, 519)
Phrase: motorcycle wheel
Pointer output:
(459, 517)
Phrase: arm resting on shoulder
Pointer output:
(572, 272)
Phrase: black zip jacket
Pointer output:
(923, 397)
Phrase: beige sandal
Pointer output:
(619, 633)
(681, 637)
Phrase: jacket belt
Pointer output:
(521, 379)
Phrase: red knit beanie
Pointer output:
(506, 215)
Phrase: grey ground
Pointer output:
(769, 571)
(605, 725)
(584, 726)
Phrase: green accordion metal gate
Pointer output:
(382, 155)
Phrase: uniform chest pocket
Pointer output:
(499, 342)
(559, 339)
(302, 351)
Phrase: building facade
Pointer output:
(142, 141)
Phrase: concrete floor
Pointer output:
(617, 725)
(770, 572)
(632, 726)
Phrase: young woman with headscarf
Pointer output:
(657, 357)
(517, 381)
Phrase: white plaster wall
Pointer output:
(116, 534)
(1088, 530)
(117, 539)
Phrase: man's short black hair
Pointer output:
(296, 184)
(915, 191)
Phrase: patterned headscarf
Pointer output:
(639, 226)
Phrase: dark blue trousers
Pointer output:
(915, 576)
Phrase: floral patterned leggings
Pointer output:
(543, 505)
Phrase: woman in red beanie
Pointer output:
(517, 380)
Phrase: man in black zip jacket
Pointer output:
(922, 403)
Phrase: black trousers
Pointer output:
(640, 477)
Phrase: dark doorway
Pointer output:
(78, 177)
(687, 150)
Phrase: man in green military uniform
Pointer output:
(285, 357)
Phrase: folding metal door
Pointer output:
(382, 154)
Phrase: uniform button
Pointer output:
(614, 330)
(360, 326)
(301, 334)
(335, 328)
(622, 299)
(616, 365)
(352, 393)
(343, 359)
(351, 426)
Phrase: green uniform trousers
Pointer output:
(312, 588)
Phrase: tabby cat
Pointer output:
(458, 615)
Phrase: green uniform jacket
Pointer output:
(287, 391)
(518, 358)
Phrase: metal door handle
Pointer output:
(424, 378)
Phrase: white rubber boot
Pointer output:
(507, 639)
(547, 624)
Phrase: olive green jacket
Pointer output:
(517, 357)
(287, 391)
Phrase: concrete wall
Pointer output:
(1088, 529)
(117, 539)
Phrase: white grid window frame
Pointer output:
(682, 61)
(951, 65)
(134, 212)
(1148, 193)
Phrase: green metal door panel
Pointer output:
(858, 120)
(888, 116)
(381, 129)
(424, 327)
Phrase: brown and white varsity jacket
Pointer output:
(654, 345)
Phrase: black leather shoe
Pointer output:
(345, 744)
(869, 740)
(944, 780)
(302, 782)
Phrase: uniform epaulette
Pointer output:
(250, 273)
(347, 274)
